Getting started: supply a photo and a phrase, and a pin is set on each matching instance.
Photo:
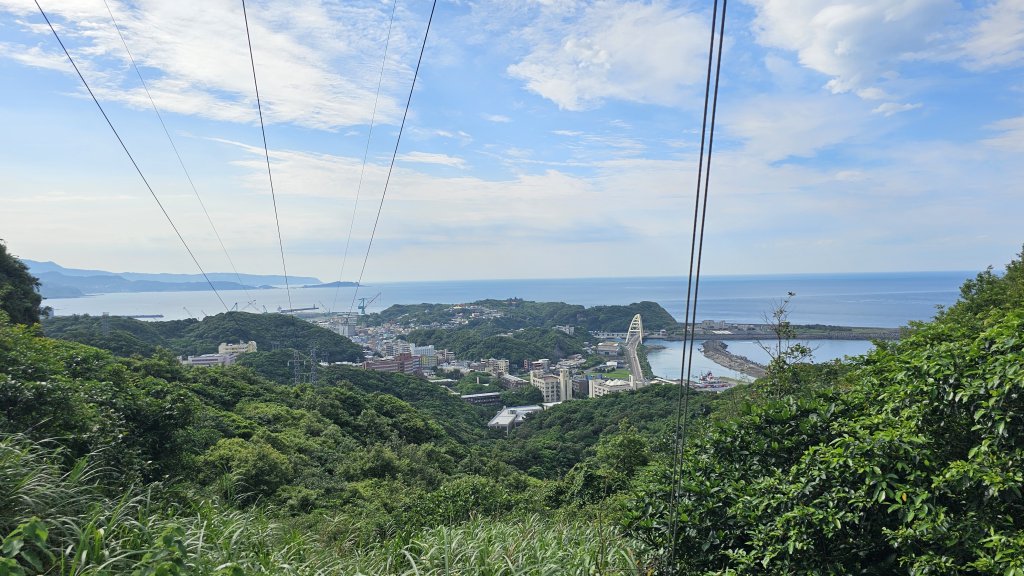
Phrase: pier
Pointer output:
(717, 351)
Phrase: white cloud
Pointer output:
(196, 60)
(496, 118)
(891, 108)
(998, 39)
(630, 51)
(35, 56)
(872, 93)
(776, 127)
(1011, 135)
(856, 44)
(432, 158)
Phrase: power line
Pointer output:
(181, 162)
(394, 155)
(693, 279)
(266, 152)
(129, 154)
(366, 152)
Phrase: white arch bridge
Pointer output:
(635, 337)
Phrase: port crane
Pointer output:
(364, 302)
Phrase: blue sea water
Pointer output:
(883, 300)
(667, 362)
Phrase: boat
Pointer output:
(709, 380)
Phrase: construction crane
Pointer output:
(363, 303)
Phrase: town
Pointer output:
(609, 361)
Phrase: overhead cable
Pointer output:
(181, 162)
(366, 152)
(266, 152)
(394, 156)
(693, 278)
(129, 154)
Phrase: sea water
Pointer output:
(882, 300)
(667, 362)
(886, 300)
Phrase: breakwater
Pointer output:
(851, 333)
(718, 352)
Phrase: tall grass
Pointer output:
(92, 530)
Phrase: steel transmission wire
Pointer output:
(266, 152)
(366, 153)
(394, 155)
(129, 154)
(693, 280)
(174, 147)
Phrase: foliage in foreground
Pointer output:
(912, 463)
(66, 521)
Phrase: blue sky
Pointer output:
(546, 138)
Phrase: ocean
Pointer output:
(886, 300)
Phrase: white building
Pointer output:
(554, 388)
(600, 387)
(240, 348)
(548, 384)
(509, 418)
(423, 350)
(497, 366)
(211, 360)
(564, 385)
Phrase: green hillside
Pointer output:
(488, 341)
(127, 336)
(515, 313)
(906, 461)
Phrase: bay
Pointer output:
(666, 362)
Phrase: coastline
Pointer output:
(717, 351)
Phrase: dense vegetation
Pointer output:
(488, 341)
(517, 313)
(552, 442)
(127, 336)
(19, 290)
(352, 447)
(371, 472)
(912, 461)
(71, 522)
(909, 460)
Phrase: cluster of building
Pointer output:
(226, 355)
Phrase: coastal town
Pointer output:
(609, 362)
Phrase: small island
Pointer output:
(336, 284)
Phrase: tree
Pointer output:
(781, 379)
(19, 290)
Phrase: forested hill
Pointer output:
(487, 341)
(127, 336)
(515, 313)
(905, 461)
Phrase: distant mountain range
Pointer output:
(60, 282)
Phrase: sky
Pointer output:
(545, 138)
